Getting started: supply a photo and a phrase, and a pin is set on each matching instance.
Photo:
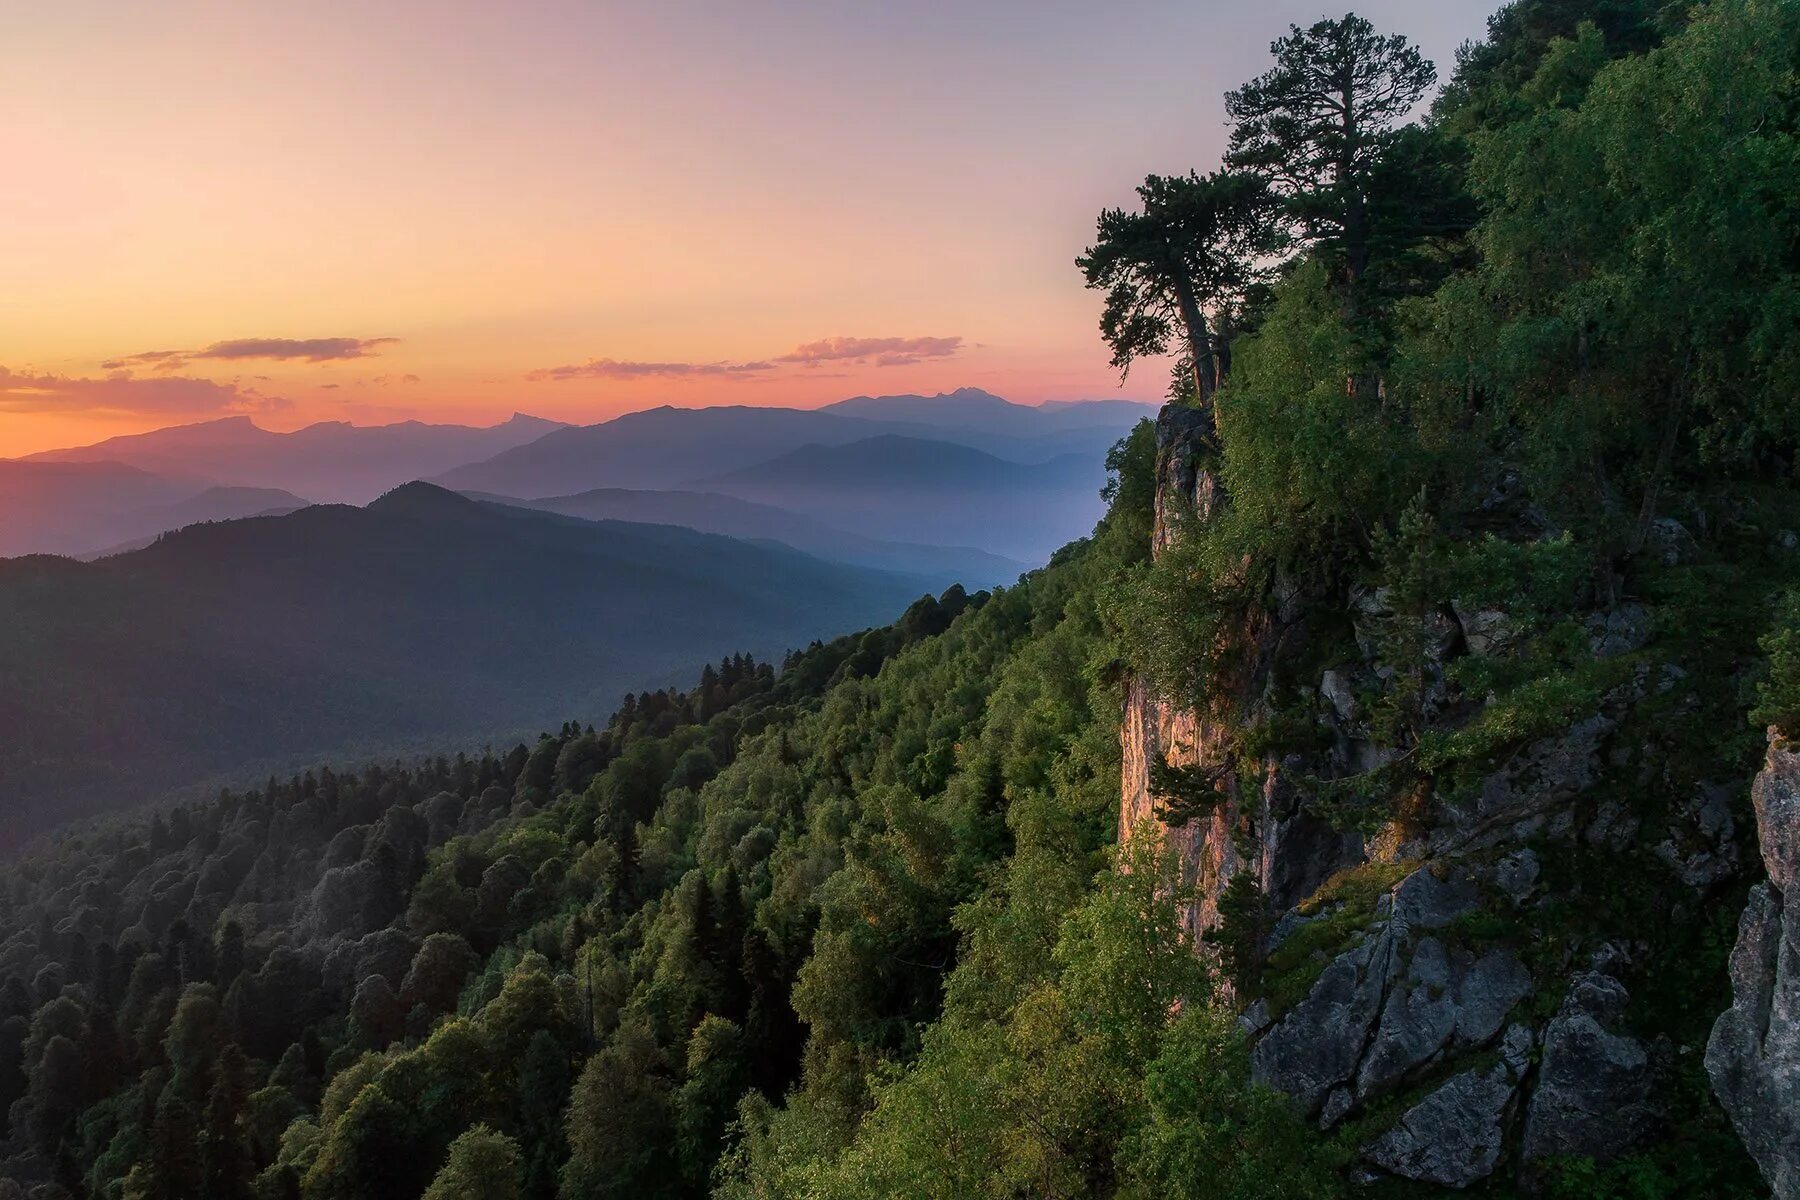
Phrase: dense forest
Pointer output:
(1467, 541)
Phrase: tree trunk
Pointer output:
(1200, 348)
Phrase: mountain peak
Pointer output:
(961, 397)
(420, 499)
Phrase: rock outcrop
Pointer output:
(1754, 1053)
(1433, 971)
(1454, 1136)
(1391, 1007)
(1295, 852)
(1594, 1087)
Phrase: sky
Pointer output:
(453, 210)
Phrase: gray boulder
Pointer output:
(1455, 1135)
(1621, 630)
(1702, 846)
(1593, 1096)
(1316, 1047)
(1399, 999)
(1447, 999)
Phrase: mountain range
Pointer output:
(332, 461)
(715, 512)
(916, 489)
(665, 447)
(423, 619)
(905, 476)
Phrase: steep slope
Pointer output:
(919, 490)
(712, 512)
(342, 630)
(329, 461)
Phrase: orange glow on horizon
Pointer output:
(470, 196)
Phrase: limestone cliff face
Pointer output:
(1754, 1054)
(1439, 981)
(1293, 854)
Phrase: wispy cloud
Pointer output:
(839, 351)
(612, 368)
(313, 350)
(176, 395)
(880, 352)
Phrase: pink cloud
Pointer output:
(882, 351)
(612, 368)
(123, 393)
(332, 349)
(842, 351)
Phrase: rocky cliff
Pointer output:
(1474, 940)
(1754, 1054)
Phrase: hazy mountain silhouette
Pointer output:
(975, 409)
(140, 528)
(662, 450)
(668, 448)
(70, 507)
(330, 461)
(919, 490)
(714, 512)
(654, 448)
(80, 508)
(426, 619)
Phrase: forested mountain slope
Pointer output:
(635, 925)
(422, 619)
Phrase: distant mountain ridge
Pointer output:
(668, 447)
(331, 461)
(653, 448)
(919, 490)
(84, 507)
(715, 512)
(424, 619)
(213, 504)
(974, 408)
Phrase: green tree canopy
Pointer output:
(1177, 271)
(1315, 125)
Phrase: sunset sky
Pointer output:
(453, 210)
